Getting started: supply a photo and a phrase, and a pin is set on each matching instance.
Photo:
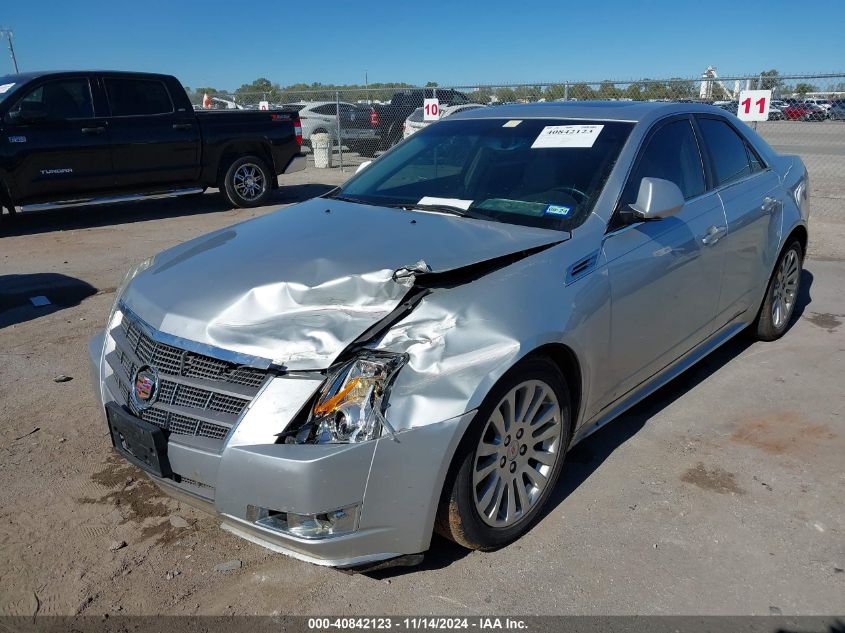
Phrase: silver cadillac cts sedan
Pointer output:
(417, 349)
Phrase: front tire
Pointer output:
(247, 182)
(510, 458)
(781, 294)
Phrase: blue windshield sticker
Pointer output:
(557, 210)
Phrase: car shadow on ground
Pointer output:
(85, 217)
(27, 297)
(585, 458)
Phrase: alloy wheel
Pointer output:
(249, 182)
(785, 290)
(516, 455)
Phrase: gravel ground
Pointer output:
(722, 493)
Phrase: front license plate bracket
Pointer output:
(138, 441)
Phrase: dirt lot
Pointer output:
(722, 493)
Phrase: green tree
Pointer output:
(608, 91)
(555, 92)
(581, 91)
(505, 95)
(431, 84)
(803, 88)
(770, 80)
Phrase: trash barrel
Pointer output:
(321, 145)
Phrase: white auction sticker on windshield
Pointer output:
(567, 136)
(449, 202)
(5, 87)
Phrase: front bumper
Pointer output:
(395, 482)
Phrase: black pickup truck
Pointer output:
(390, 117)
(89, 137)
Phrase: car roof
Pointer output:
(632, 111)
(308, 104)
(35, 74)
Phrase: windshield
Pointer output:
(536, 172)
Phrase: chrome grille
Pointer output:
(168, 360)
(198, 395)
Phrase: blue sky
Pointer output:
(226, 43)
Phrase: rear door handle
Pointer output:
(183, 126)
(713, 235)
(93, 131)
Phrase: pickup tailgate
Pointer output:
(358, 122)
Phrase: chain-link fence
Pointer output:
(807, 115)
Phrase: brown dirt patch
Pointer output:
(782, 432)
(712, 479)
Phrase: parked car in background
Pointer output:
(804, 112)
(727, 106)
(89, 137)
(416, 121)
(837, 110)
(391, 116)
(358, 123)
(220, 103)
(775, 113)
(824, 104)
(519, 277)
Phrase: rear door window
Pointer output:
(137, 97)
(326, 109)
(727, 149)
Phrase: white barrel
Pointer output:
(321, 145)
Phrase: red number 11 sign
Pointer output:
(754, 105)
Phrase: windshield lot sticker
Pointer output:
(558, 210)
(5, 87)
(567, 136)
(513, 123)
(451, 202)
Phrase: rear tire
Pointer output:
(509, 461)
(247, 182)
(781, 295)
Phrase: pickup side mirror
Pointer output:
(657, 198)
(28, 112)
(363, 166)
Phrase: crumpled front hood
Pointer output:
(297, 286)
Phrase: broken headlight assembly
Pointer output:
(351, 404)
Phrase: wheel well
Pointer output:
(800, 233)
(567, 362)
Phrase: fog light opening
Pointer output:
(306, 526)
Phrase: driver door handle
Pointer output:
(93, 131)
(714, 234)
(182, 126)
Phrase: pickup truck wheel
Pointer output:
(247, 182)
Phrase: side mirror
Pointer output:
(657, 198)
(28, 112)
(363, 166)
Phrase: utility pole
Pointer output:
(9, 33)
